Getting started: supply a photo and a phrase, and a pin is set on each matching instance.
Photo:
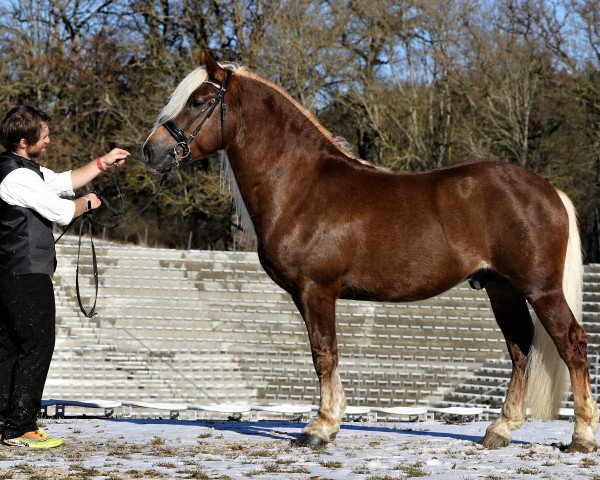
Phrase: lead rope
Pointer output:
(88, 216)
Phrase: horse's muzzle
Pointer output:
(156, 162)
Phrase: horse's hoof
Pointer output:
(492, 441)
(582, 446)
(307, 440)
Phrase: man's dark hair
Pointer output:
(20, 122)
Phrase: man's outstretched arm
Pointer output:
(83, 175)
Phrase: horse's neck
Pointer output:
(277, 156)
(262, 184)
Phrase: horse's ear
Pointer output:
(214, 70)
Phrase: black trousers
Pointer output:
(27, 318)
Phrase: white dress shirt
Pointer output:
(25, 188)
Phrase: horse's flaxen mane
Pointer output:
(340, 143)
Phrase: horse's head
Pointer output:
(193, 123)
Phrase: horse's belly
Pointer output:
(394, 295)
(402, 285)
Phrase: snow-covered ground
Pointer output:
(170, 449)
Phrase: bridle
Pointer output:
(181, 152)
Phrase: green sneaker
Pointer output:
(36, 439)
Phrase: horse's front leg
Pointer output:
(317, 306)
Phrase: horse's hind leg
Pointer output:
(571, 343)
(512, 315)
(317, 306)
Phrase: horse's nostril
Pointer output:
(147, 152)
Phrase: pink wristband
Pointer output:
(99, 164)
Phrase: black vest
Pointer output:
(26, 241)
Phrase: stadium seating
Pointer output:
(203, 327)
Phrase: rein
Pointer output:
(88, 217)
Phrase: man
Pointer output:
(30, 200)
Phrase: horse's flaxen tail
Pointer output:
(548, 375)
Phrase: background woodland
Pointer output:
(411, 85)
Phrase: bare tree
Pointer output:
(412, 85)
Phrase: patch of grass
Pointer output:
(88, 472)
(205, 435)
(239, 447)
(260, 453)
(331, 464)
(299, 470)
(114, 476)
(285, 461)
(529, 454)
(385, 477)
(319, 448)
(119, 454)
(527, 471)
(135, 473)
(25, 468)
(198, 475)
(413, 470)
(162, 451)
(360, 470)
(166, 465)
(587, 462)
(272, 468)
(450, 451)
(157, 441)
(74, 456)
(124, 451)
(253, 473)
(43, 473)
(152, 474)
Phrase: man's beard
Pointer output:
(35, 153)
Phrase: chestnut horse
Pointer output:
(329, 226)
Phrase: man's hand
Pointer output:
(82, 202)
(94, 200)
(83, 175)
(116, 157)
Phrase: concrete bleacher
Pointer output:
(199, 326)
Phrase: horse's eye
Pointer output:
(196, 104)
